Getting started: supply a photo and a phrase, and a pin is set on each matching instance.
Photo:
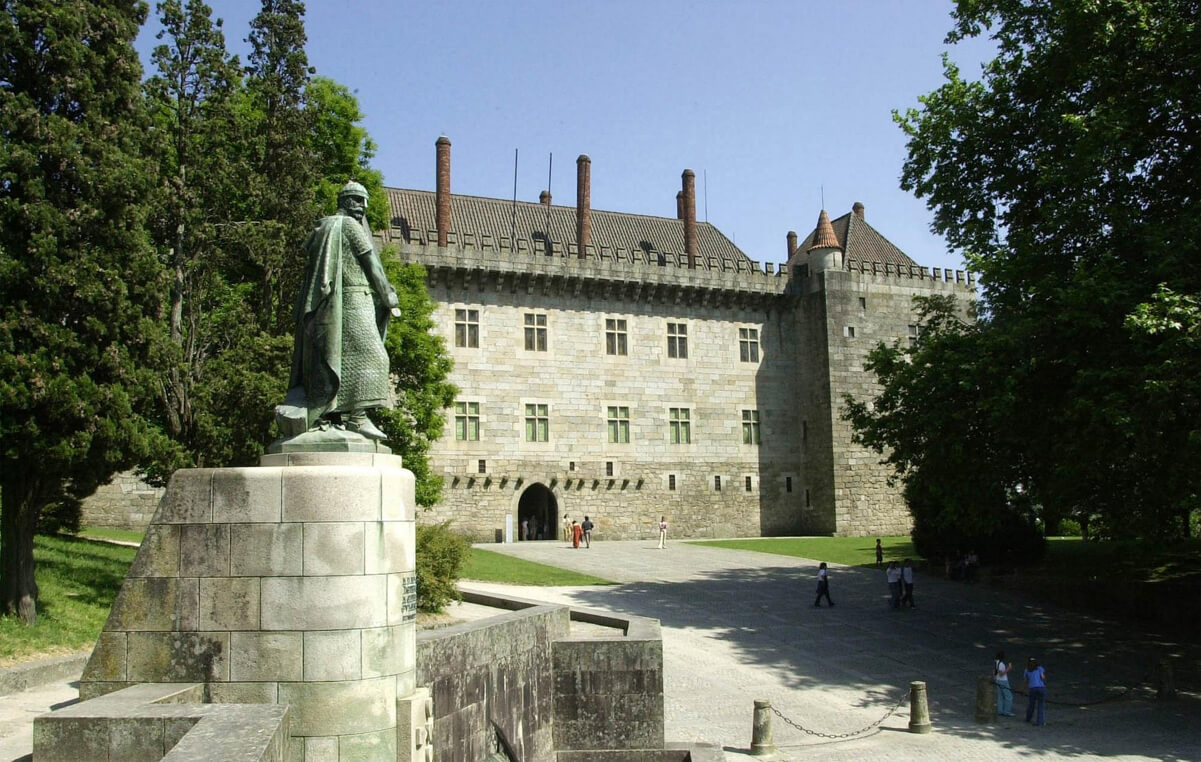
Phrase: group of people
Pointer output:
(577, 533)
(1036, 689)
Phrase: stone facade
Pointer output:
(126, 502)
(540, 426)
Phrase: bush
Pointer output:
(998, 531)
(440, 557)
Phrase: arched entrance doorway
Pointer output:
(539, 507)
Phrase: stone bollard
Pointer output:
(1165, 686)
(919, 711)
(986, 699)
(761, 740)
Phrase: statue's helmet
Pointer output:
(352, 189)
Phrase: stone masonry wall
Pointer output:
(578, 381)
(126, 502)
(879, 308)
(495, 671)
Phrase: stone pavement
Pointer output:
(739, 626)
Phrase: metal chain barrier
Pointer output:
(852, 734)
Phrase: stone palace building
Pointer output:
(628, 367)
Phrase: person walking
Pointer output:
(879, 554)
(662, 532)
(907, 583)
(823, 585)
(1036, 688)
(577, 534)
(587, 527)
(893, 575)
(566, 528)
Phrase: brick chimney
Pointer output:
(583, 204)
(791, 244)
(544, 198)
(442, 192)
(858, 210)
(679, 205)
(689, 201)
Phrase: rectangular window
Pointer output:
(619, 424)
(748, 344)
(608, 468)
(788, 484)
(717, 484)
(537, 423)
(483, 466)
(806, 498)
(677, 340)
(535, 332)
(467, 328)
(671, 482)
(679, 421)
(467, 421)
(862, 303)
(615, 336)
(848, 331)
(750, 427)
(912, 335)
(748, 484)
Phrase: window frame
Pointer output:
(467, 412)
(467, 328)
(617, 419)
(537, 421)
(751, 431)
(677, 341)
(679, 425)
(617, 342)
(748, 344)
(535, 329)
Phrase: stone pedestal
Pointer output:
(289, 583)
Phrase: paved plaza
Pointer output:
(740, 626)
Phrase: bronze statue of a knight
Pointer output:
(339, 365)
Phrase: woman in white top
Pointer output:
(1001, 678)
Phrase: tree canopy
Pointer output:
(1067, 175)
(151, 249)
(81, 320)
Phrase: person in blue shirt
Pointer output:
(1036, 687)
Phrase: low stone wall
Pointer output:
(162, 721)
(126, 502)
(493, 672)
(609, 693)
(552, 696)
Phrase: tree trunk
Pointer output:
(18, 523)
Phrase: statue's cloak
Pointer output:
(317, 355)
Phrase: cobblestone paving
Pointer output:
(740, 626)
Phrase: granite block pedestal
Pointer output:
(290, 583)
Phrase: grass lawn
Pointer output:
(105, 533)
(849, 551)
(77, 582)
(487, 566)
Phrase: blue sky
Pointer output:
(772, 104)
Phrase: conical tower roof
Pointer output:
(823, 234)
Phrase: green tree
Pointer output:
(191, 96)
(282, 171)
(343, 149)
(941, 419)
(80, 286)
(1068, 177)
(419, 367)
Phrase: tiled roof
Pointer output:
(413, 218)
(860, 242)
(823, 235)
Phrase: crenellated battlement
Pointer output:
(917, 272)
